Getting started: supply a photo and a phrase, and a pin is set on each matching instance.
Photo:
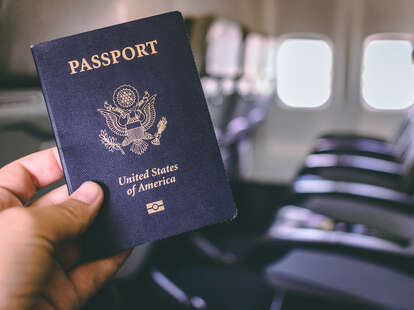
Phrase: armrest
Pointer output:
(350, 136)
(353, 161)
(369, 230)
(176, 293)
(357, 147)
(236, 129)
(337, 241)
(305, 188)
(386, 218)
(362, 227)
(211, 251)
(242, 126)
(351, 168)
(342, 278)
(220, 108)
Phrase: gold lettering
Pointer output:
(96, 63)
(141, 50)
(73, 65)
(106, 61)
(151, 43)
(124, 55)
(115, 55)
(136, 177)
(85, 64)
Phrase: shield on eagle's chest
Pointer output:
(133, 134)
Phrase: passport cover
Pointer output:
(128, 111)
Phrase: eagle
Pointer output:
(132, 123)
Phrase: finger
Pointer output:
(8, 200)
(69, 254)
(26, 175)
(91, 277)
(43, 304)
(54, 197)
(59, 292)
(68, 220)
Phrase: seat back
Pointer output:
(343, 278)
(402, 140)
(257, 80)
(223, 52)
(198, 33)
(253, 96)
(408, 157)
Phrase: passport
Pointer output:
(128, 112)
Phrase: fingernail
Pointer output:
(88, 192)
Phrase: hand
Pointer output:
(41, 263)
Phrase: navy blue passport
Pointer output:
(128, 111)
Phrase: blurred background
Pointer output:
(311, 104)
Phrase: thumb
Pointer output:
(68, 220)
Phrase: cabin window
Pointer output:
(387, 81)
(304, 72)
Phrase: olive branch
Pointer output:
(109, 142)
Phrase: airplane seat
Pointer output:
(189, 23)
(197, 37)
(350, 174)
(253, 95)
(346, 230)
(346, 143)
(386, 211)
(342, 244)
(222, 65)
(358, 283)
(237, 76)
(366, 169)
(347, 212)
(217, 47)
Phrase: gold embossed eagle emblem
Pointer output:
(131, 117)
